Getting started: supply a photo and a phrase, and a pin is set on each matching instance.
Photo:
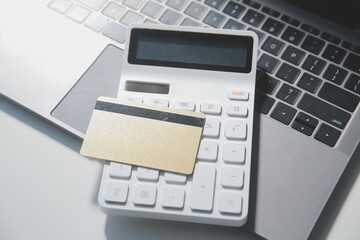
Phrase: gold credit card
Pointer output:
(144, 135)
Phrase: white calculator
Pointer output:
(197, 69)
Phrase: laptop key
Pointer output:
(266, 83)
(270, 11)
(306, 119)
(293, 35)
(195, 10)
(61, 6)
(288, 94)
(327, 135)
(267, 63)
(314, 64)
(352, 62)
(351, 46)
(309, 83)
(310, 29)
(234, 25)
(152, 9)
(273, 46)
(339, 97)
(190, 23)
(94, 4)
(263, 103)
(252, 3)
(313, 44)
(150, 21)
(113, 10)
(301, 127)
(272, 26)
(288, 73)
(78, 14)
(283, 113)
(353, 83)
(215, 3)
(134, 4)
(214, 19)
(176, 4)
(293, 55)
(335, 74)
(320, 109)
(234, 9)
(290, 20)
(96, 22)
(170, 17)
(116, 32)
(334, 54)
(253, 18)
(331, 38)
(131, 17)
(260, 34)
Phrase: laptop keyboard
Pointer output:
(307, 79)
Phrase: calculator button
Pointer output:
(147, 174)
(144, 194)
(232, 177)
(174, 177)
(234, 153)
(173, 197)
(238, 95)
(208, 150)
(158, 102)
(210, 108)
(133, 99)
(230, 202)
(119, 170)
(211, 127)
(202, 189)
(237, 111)
(116, 192)
(184, 105)
(235, 129)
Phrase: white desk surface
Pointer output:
(48, 191)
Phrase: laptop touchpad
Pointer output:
(101, 79)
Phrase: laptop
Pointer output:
(58, 56)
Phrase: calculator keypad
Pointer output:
(218, 183)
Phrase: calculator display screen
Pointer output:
(193, 50)
(133, 86)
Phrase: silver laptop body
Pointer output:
(56, 67)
